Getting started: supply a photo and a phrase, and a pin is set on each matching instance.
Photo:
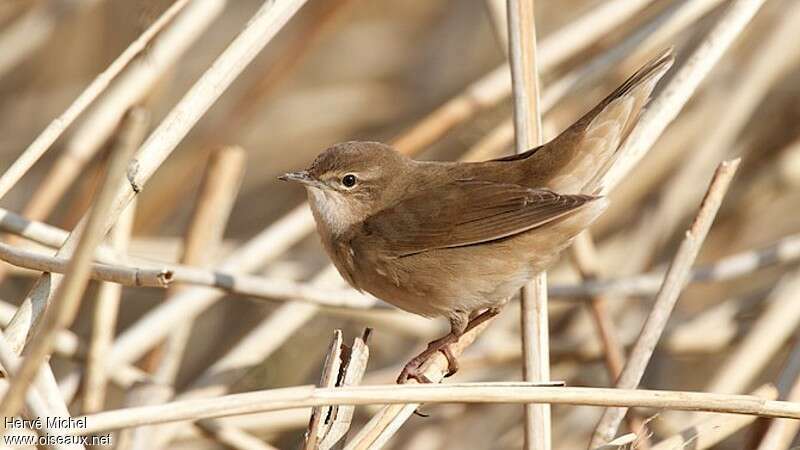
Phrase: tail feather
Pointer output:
(578, 158)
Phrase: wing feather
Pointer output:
(466, 213)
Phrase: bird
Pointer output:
(458, 239)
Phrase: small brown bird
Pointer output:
(458, 240)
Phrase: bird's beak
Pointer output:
(302, 177)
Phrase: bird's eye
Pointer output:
(349, 180)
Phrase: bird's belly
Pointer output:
(438, 283)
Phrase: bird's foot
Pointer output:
(413, 370)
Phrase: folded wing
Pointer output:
(466, 213)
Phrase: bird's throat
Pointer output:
(331, 211)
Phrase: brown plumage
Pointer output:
(454, 239)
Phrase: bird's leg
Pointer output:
(457, 332)
(482, 317)
(459, 325)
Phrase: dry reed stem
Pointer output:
(130, 89)
(282, 67)
(269, 423)
(126, 276)
(262, 27)
(67, 296)
(33, 398)
(666, 106)
(770, 332)
(498, 11)
(54, 130)
(269, 288)
(69, 345)
(104, 323)
(67, 342)
(714, 428)
(528, 133)
(46, 234)
(502, 392)
(674, 282)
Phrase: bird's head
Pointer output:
(350, 181)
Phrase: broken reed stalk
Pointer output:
(129, 89)
(42, 143)
(126, 276)
(245, 285)
(344, 366)
(502, 392)
(528, 133)
(104, 322)
(674, 282)
(64, 307)
(266, 22)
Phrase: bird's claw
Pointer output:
(413, 370)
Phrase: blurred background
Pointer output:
(370, 70)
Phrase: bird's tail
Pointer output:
(579, 157)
